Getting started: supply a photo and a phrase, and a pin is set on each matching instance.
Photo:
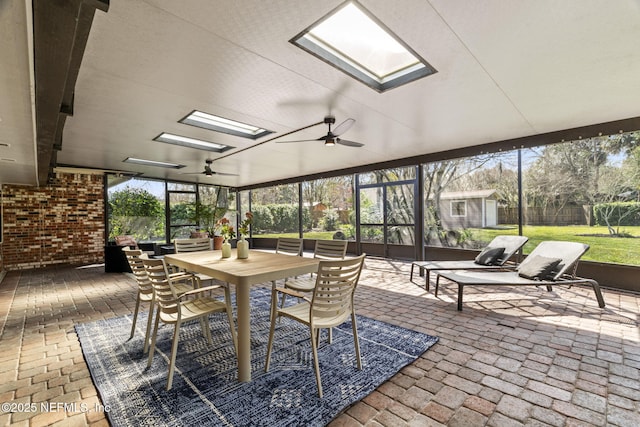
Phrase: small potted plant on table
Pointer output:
(228, 233)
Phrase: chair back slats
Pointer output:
(158, 276)
(330, 249)
(135, 257)
(336, 283)
(192, 245)
(289, 246)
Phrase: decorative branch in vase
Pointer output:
(228, 233)
(244, 228)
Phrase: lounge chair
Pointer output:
(551, 263)
(486, 260)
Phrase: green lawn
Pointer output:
(618, 250)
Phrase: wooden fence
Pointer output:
(569, 215)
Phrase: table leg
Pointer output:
(244, 334)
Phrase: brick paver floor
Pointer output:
(514, 356)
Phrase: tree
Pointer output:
(580, 172)
(136, 212)
(439, 177)
(334, 193)
(314, 192)
(212, 206)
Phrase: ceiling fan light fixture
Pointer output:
(330, 143)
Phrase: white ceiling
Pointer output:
(505, 70)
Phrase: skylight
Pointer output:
(220, 124)
(191, 142)
(354, 41)
(145, 162)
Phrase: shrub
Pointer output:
(617, 213)
(330, 220)
(262, 219)
(277, 218)
(349, 231)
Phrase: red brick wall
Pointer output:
(62, 223)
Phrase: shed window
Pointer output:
(458, 208)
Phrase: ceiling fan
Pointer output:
(208, 171)
(332, 138)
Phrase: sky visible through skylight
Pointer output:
(353, 34)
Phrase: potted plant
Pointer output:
(209, 214)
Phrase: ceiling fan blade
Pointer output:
(224, 173)
(300, 140)
(343, 127)
(348, 143)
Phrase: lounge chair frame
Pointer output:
(512, 245)
(566, 275)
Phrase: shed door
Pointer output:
(491, 213)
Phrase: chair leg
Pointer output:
(272, 329)
(174, 351)
(426, 280)
(356, 342)
(274, 300)
(232, 325)
(152, 348)
(284, 296)
(316, 365)
(148, 331)
(596, 289)
(437, 283)
(135, 317)
(206, 329)
(460, 288)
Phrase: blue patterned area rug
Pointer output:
(205, 389)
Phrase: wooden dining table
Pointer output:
(259, 267)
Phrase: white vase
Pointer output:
(226, 249)
(243, 248)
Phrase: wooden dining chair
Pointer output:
(145, 289)
(331, 305)
(176, 309)
(192, 245)
(289, 246)
(195, 245)
(324, 250)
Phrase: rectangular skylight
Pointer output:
(153, 163)
(351, 39)
(220, 124)
(191, 142)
